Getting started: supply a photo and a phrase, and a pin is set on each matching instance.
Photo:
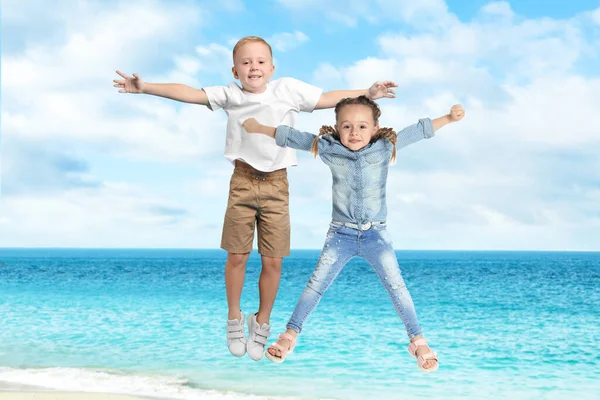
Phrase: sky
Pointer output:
(85, 166)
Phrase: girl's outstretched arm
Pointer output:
(456, 114)
(251, 125)
(426, 127)
(284, 136)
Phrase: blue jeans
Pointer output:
(343, 244)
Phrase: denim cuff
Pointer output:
(427, 127)
(281, 135)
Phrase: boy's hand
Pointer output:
(456, 113)
(251, 125)
(133, 84)
(382, 89)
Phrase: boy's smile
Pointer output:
(253, 66)
(356, 126)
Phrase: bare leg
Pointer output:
(235, 270)
(268, 285)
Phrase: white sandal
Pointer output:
(421, 360)
(283, 351)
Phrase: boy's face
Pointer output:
(253, 66)
(356, 126)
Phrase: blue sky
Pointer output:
(84, 166)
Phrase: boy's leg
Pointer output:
(235, 270)
(273, 234)
(273, 237)
(268, 285)
(238, 235)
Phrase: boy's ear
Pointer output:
(235, 74)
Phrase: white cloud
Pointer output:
(156, 131)
(64, 92)
(596, 16)
(286, 41)
(514, 174)
(327, 73)
(501, 8)
(489, 179)
(118, 215)
(432, 14)
(217, 59)
(232, 5)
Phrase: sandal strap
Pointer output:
(431, 356)
(290, 338)
(284, 350)
(420, 342)
(279, 347)
(412, 346)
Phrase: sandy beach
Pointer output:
(64, 396)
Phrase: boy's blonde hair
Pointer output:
(248, 39)
(387, 133)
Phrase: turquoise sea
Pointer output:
(506, 325)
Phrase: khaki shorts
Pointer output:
(258, 199)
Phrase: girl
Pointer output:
(358, 153)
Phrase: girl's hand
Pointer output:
(251, 125)
(130, 84)
(456, 113)
(382, 89)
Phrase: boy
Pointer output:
(258, 195)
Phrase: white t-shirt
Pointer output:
(277, 105)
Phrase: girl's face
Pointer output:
(356, 126)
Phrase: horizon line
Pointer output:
(299, 249)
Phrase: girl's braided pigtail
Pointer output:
(391, 136)
(325, 130)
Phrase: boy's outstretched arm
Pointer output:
(376, 91)
(174, 91)
(456, 114)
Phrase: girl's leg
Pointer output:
(337, 251)
(378, 251)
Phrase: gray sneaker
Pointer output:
(257, 338)
(236, 337)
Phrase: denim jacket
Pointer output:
(359, 177)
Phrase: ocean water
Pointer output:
(519, 325)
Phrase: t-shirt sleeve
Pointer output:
(306, 96)
(218, 96)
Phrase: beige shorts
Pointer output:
(258, 199)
